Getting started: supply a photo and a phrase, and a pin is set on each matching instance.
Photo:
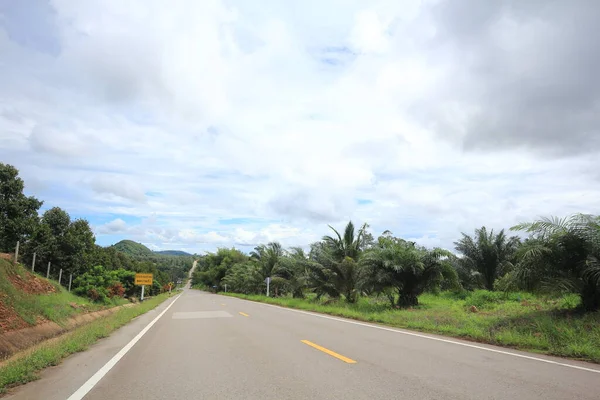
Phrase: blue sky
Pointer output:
(196, 125)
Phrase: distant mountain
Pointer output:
(132, 248)
(136, 249)
(173, 253)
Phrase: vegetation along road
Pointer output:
(209, 346)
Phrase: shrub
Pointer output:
(99, 295)
(482, 298)
(116, 289)
(101, 285)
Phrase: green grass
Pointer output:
(56, 307)
(518, 320)
(24, 369)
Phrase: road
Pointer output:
(188, 284)
(206, 346)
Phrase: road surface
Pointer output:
(206, 346)
(188, 284)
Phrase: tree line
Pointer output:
(69, 244)
(557, 256)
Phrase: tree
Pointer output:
(101, 284)
(213, 267)
(488, 254)
(334, 268)
(78, 244)
(244, 278)
(395, 265)
(562, 255)
(268, 257)
(67, 244)
(49, 237)
(292, 272)
(18, 213)
(351, 245)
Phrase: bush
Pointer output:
(507, 283)
(116, 290)
(482, 298)
(99, 295)
(101, 285)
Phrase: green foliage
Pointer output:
(562, 255)
(132, 248)
(486, 256)
(173, 253)
(351, 245)
(267, 257)
(62, 242)
(18, 213)
(291, 275)
(213, 267)
(244, 278)
(397, 265)
(101, 285)
(334, 268)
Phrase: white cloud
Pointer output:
(118, 186)
(57, 142)
(282, 118)
(113, 227)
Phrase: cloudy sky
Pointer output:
(198, 124)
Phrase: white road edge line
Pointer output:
(508, 353)
(89, 385)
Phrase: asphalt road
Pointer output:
(207, 346)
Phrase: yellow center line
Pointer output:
(331, 353)
(244, 314)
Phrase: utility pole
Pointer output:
(70, 280)
(48, 271)
(59, 276)
(33, 263)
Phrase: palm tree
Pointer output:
(334, 268)
(350, 245)
(563, 255)
(292, 272)
(403, 267)
(488, 254)
(268, 257)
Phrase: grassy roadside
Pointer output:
(518, 320)
(48, 301)
(24, 369)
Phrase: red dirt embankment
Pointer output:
(31, 284)
(27, 283)
(9, 319)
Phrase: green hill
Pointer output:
(132, 248)
(136, 249)
(173, 253)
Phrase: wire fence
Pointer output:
(49, 269)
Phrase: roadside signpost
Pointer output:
(143, 280)
(268, 281)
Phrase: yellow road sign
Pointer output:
(143, 279)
